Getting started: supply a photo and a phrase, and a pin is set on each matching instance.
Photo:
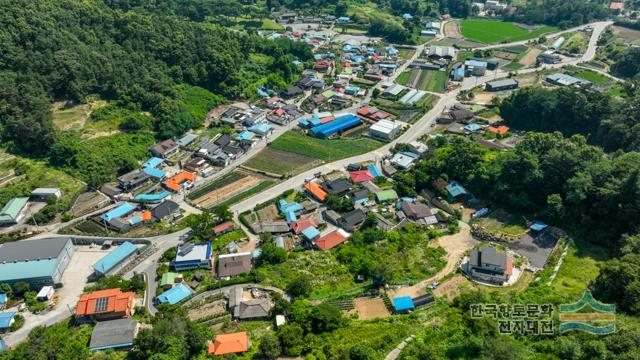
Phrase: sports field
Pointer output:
(495, 31)
(324, 149)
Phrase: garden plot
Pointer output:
(371, 308)
(88, 202)
(278, 162)
(208, 310)
(227, 191)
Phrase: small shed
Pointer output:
(403, 304)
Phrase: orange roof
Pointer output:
(117, 302)
(364, 111)
(223, 227)
(302, 224)
(332, 239)
(327, 119)
(316, 190)
(509, 270)
(499, 129)
(229, 343)
(146, 215)
(174, 183)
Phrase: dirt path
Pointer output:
(452, 29)
(455, 245)
(530, 58)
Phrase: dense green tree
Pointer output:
(269, 347)
(292, 339)
(619, 282)
(324, 318)
(271, 254)
(299, 286)
(223, 213)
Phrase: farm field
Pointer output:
(208, 187)
(592, 76)
(243, 195)
(323, 149)
(280, 162)
(403, 78)
(371, 308)
(218, 195)
(428, 80)
(495, 31)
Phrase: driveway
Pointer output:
(536, 249)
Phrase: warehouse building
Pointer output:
(501, 85)
(384, 130)
(193, 256)
(36, 262)
(337, 125)
(14, 211)
(114, 258)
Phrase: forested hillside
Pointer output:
(68, 50)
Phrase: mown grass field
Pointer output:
(435, 81)
(593, 76)
(495, 31)
(324, 149)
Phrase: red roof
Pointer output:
(229, 343)
(273, 100)
(223, 227)
(509, 269)
(364, 111)
(616, 6)
(327, 119)
(116, 302)
(302, 224)
(279, 112)
(360, 176)
(316, 190)
(332, 239)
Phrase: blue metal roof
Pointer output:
(175, 295)
(455, 189)
(475, 63)
(27, 270)
(153, 172)
(292, 206)
(538, 226)
(115, 257)
(339, 124)
(3, 345)
(151, 197)
(374, 171)
(245, 135)
(3, 298)
(135, 220)
(153, 162)
(310, 233)
(403, 303)
(472, 127)
(290, 216)
(260, 129)
(5, 319)
(459, 71)
(412, 155)
(120, 211)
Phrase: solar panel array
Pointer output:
(101, 304)
(186, 248)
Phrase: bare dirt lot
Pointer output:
(371, 308)
(483, 98)
(456, 246)
(221, 194)
(208, 309)
(626, 36)
(530, 58)
(451, 287)
(452, 29)
(268, 213)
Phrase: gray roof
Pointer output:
(235, 296)
(113, 334)
(163, 210)
(353, 218)
(234, 264)
(415, 210)
(32, 249)
(488, 256)
(253, 309)
(504, 82)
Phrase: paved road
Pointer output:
(393, 354)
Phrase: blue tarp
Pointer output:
(115, 257)
(5, 319)
(310, 233)
(403, 303)
(260, 129)
(339, 124)
(538, 226)
(153, 162)
(175, 295)
(285, 206)
(374, 171)
(151, 197)
(120, 211)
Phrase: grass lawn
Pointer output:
(224, 239)
(500, 221)
(495, 31)
(324, 149)
(406, 53)
(512, 66)
(280, 162)
(592, 76)
(578, 269)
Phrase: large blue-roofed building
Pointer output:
(115, 257)
(174, 295)
(120, 211)
(151, 197)
(193, 256)
(6, 319)
(342, 123)
(37, 262)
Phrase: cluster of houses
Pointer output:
(459, 120)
